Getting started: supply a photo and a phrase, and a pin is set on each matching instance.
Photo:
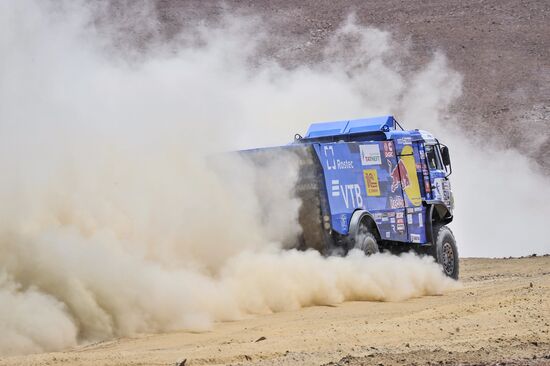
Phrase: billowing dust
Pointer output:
(120, 212)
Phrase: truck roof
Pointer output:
(372, 128)
(347, 127)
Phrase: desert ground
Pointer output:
(501, 315)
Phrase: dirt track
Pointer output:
(502, 314)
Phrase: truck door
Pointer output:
(412, 183)
(383, 199)
(396, 176)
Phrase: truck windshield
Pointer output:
(432, 157)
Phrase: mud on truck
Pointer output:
(371, 185)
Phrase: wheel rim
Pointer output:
(448, 259)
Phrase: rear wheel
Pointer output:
(366, 241)
(444, 250)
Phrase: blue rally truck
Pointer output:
(371, 185)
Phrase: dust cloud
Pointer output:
(120, 213)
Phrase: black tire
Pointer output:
(366, 241)
(444, 250)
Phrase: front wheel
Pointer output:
(444, 250)
(366, 242)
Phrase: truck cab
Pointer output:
(385, 181)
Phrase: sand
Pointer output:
(500, 315)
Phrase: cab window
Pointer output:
(433, 158)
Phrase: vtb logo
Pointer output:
(350, 193)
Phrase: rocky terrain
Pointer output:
(502, 48)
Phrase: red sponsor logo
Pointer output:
(399, 175)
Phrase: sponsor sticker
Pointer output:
(420, 220)
(387, 234)
(371, 182)
(439, 191)
(370, 154)
(399, 215)
(400, 227)
(388, 149)
(409, 219)
(404, 141)
(350, 193)
(396, 202)
(333, 163)
(415, 238)
(399, 175)
(446, 191)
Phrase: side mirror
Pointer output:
(445, 155)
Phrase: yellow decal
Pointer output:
(410, 183)
(371, 182)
